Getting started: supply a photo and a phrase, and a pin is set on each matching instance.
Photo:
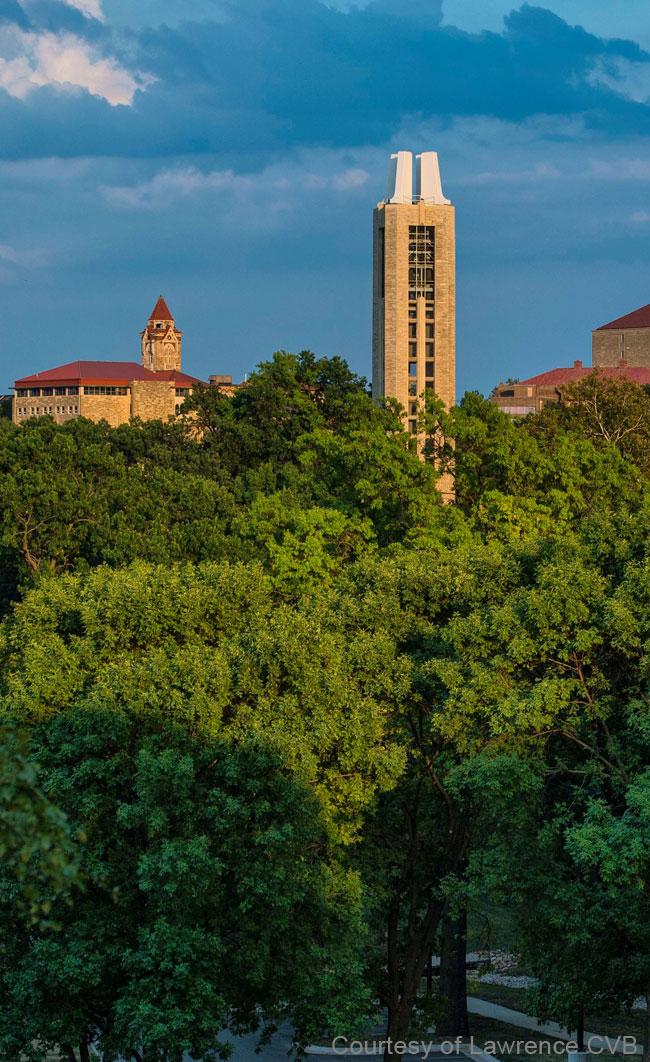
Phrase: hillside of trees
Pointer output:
(275, 717)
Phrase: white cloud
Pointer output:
(624, 76)
(168, 186)
(354, 178)
(89, 8)
(621, 169)
(26, 259)
(641, 216)
(164, 187)
(32, 60)
(541, 171)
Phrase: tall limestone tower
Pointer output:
(161, 340)
(414, 287)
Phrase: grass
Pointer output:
(488, 1031)
(602, 1024)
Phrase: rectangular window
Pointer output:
(429, 350)
(73, 390)
(429, 310)
(413, 408)
(413, 427)
(413, 331)
(428, 384)
(59, 390)
(413, 350)
(34, 392)
(47, 391)
(181, 392)
(21, 392)
(429, 369)
(413, 388)
(429, 331)
(413, 310)
(413, 368)
(422, 253)
(102, 390)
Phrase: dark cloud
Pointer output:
(280, 74)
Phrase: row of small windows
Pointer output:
(428, 350)
(428, 331)
(428, 368)
(94, 389)
(413, 309)
(99, 390)
(45, 392)
(37, 411)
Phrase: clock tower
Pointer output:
(161, 341)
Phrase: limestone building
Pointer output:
(114, 391)
(414, 286)
(627, 339)
(518, 398)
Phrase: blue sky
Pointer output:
(228, 153)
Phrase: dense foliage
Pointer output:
(291, 713)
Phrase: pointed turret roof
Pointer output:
(161, 311)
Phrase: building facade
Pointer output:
(627, 339)
(114, 391)
(414, 287)
(521, 397)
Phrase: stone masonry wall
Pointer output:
(153, 400)
(611, 346)
(115, 409)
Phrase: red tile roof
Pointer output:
(119, 373)
(637, 319)
(558, 377)
(161, 311)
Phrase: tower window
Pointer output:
(429, 350)
(429, 310)
(421, 260)
(413, 368)
(429, 331)
(413, 388)
(429, 369)
(413, 310)
(413, 330)
(413, 350)
(413, 427)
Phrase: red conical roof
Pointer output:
(161, 311)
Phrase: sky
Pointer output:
(228, 154)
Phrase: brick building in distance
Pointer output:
(627, 339)
(521, 397)
(115, 391)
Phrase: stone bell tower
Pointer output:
(161, 340)
(414, 287)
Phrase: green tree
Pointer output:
(211, 899)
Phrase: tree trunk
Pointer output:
(405, 976)
(453, 975)
(84, 1053)
(580, 1032)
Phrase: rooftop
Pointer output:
(578, 371)
(637, 319)
(103, 372)
(161, 311)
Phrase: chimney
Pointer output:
(576, 365)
